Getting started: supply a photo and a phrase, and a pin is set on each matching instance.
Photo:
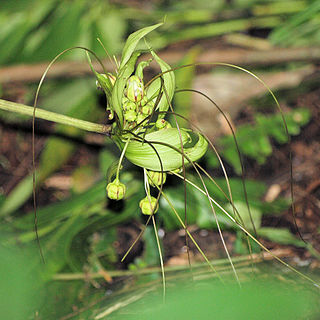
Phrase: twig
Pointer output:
(238, 56)
(120, 273)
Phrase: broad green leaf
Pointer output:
(132, 42)
(64, 209)
(263, 299)
(19, 195)
(58, 243)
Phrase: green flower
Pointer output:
(149, 205)
(130, 115)
(134, 89)
(129, 105)
(147, 109)
(156, 147)
(162, 124)
(116, 190)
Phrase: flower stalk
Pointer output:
(54, 117)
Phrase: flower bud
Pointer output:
(116, 190)
(147, 109)
(155, 178)
(110, 114)
(140, 118)
(162, 124)
(134, 89)
(129, 105)
(111, 77)
(149, 205)
(130, 115)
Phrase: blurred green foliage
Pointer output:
(31, 30)
(254, 140)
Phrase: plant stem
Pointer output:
(221, 264)
(54, 117)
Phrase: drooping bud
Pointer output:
(116, 190)
(149, 205)
(134, 89)
(162, 124)
(155, 178)
(130, 115)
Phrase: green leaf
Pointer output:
(175, 195)
(132, 42)
(65, 21)
(111, 30)
(254, 141)
(282, 236)
(242, 209)
(18, 26)
(296, 28)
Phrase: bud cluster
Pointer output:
(135, 104)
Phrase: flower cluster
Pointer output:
(139, 129)
(136, 105)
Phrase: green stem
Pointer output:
(121, 158)
(55, 117)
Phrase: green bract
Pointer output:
(163, 147)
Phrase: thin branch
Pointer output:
(238, 56)
(54, 117)
(220, 264)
